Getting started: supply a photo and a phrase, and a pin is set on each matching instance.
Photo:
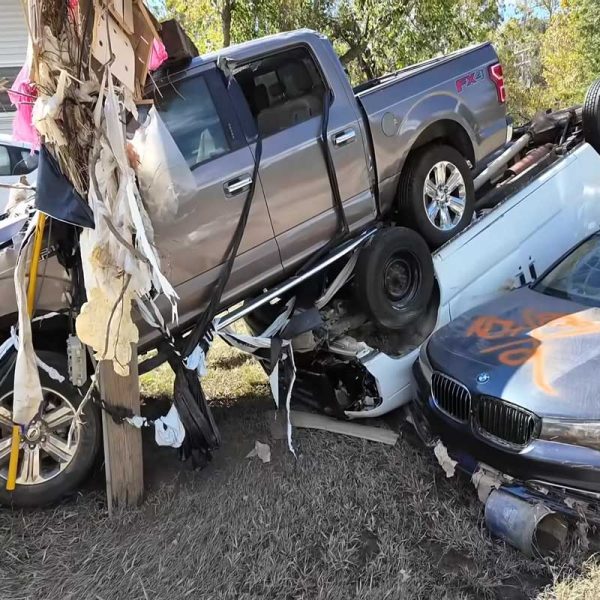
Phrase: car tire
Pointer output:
(394, 277)
(69, 474)
(451, 210)
(591, 116)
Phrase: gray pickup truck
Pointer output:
(403, 147)
(396, 150)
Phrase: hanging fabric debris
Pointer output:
(57, 197)
(27, 387)
(159, 55)
(22, 95)
(276, 354)
(164, 176)
(85, 177)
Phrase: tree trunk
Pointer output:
(352, 54)
(226, 14)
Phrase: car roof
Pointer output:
(7, 140)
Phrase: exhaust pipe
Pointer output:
(497, 165)
(534, 529)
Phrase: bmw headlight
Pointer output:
(577, 433)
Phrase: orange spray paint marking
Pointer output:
(548, 326)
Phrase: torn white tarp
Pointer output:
(280, 353)
(441, 453)
(338, 282)
(27, 388)
(119, 259)
(164, 176)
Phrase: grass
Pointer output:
(346, 519)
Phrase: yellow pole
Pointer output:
(35, 261)
(11, 480)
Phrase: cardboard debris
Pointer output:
(122, 12)
(305, 420)
(145, 33)
(110, 42)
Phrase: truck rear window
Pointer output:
(282, 90)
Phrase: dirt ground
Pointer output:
(346, 519)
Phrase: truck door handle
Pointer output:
(238, 185)
(344, 137)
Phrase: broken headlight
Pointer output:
(577, 433)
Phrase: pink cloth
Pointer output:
(23, 94)
(158, 55)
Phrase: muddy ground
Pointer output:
(346, 519)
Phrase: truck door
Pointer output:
(285, 92)
(193, 241)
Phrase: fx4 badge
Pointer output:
(469, 79)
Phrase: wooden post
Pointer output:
(122, 442)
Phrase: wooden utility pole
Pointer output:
(122, 442)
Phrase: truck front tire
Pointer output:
(56, 468)
(394, 277)
(436, 194)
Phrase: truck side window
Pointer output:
(189, 112)
(24, 161)
(282, 90)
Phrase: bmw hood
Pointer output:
(534, 350)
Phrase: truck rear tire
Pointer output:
(394, 277)
(436, 194)
(591, 116)
(60, 468)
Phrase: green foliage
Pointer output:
(551, 53)
(550, 49)
(372, 36)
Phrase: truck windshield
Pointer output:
(577, 277)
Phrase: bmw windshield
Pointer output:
(576, 277)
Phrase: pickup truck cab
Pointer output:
(402, 148)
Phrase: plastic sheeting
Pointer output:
(27, 387)
(23, 95)
(168, 430)
(163, 173)
(279, 352)
(119, 259)
(158, 55)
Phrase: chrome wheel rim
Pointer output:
(444, 195)
(44, 451)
